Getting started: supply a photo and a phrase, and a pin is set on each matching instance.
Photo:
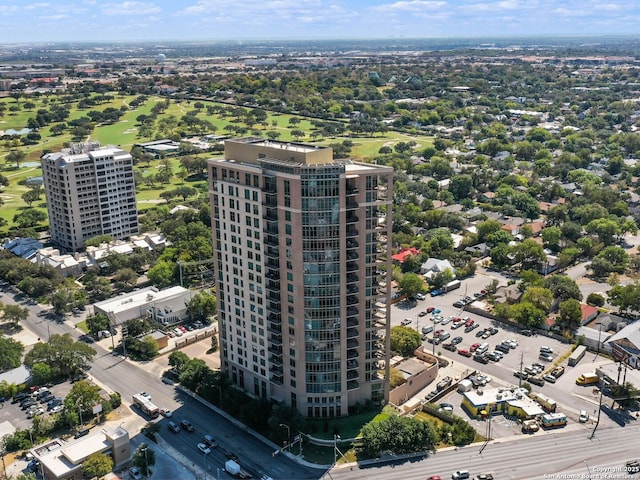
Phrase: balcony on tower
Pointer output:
(352, 278)
(352, 244)
(352, 233)
(352, 218)
(352, 333)
(352, 385)
(352, 267)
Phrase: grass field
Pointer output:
(125, 133)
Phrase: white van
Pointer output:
(482, 348)
(545, 349)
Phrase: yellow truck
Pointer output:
(588, 378)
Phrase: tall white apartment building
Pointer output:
(90, 191)
(298, 238)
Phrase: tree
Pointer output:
(29, 218)
(529, 254)
(16, 156)
(97, 322)
(82, 397)
(202, 306)
(487, 227)
(404, 340)
(178, 360)
(595, 300)
(10, 353)
(161, 274)
(396, 378)
(30, 196)
(540, 297)
(551, 237)
(570, 313)
(15, 313)
(605, 229)
(527, 314)
(144, 458)
(64, 355)
(97, 465)
(399, 435)
(127, 277)
(149, 346)
(626, 297)
(461, 186)
(501, 256)
(411, 283)
(41, 374)
(562, 287)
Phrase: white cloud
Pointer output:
(411, 6)
(130, 8)
(34, 6)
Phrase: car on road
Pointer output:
(549, 378)
(434, 477)
(456, 340)
(460, 475)
(210, 441)
(204, 449)
(165, 412)
(135, 473)
(583, 417)
(173, 427)
(187, 425)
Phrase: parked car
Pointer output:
(407, 321)
(526, 333)
(135, 473)
(546, 357)
(478, 357)
(449, 346)
(493, 357)
(474, 347)
(422, 314)
(81, 433)
(479, 333)
(538, 381)
(456, 340)
(447, 407)
(583, 417)
(420, 296)
(545, 349)
(464, 353)
(458, 304)
(521, 375)
(427, 329)
(165, 412)
(56, 409)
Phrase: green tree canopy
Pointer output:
(97, 465)
(396, 434)
(404, 340)
(571, 313)
(527, 314)
(64, 355)
(411, 283)
(10, 353)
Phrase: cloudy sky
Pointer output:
(103, 20)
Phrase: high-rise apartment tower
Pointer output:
(298, 238)
(90, 191)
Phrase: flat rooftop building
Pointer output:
(297, 238)
(90, 191)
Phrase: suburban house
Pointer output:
(434, 266)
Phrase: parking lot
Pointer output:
(523, 354)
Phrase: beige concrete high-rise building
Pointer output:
(298, 238)
(90, 191)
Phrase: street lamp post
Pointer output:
(288, 433)
(335, 448)
(146, 460)
(204, 464)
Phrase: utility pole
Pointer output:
(521, 363)
(593, 433)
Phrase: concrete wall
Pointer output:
(414, 384)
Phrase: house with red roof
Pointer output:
(403, 254)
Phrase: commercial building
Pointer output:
(508, 401)
(90, 191)
(298, 239)
(63, 460)
(168, 306)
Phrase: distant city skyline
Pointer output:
(184, 20)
